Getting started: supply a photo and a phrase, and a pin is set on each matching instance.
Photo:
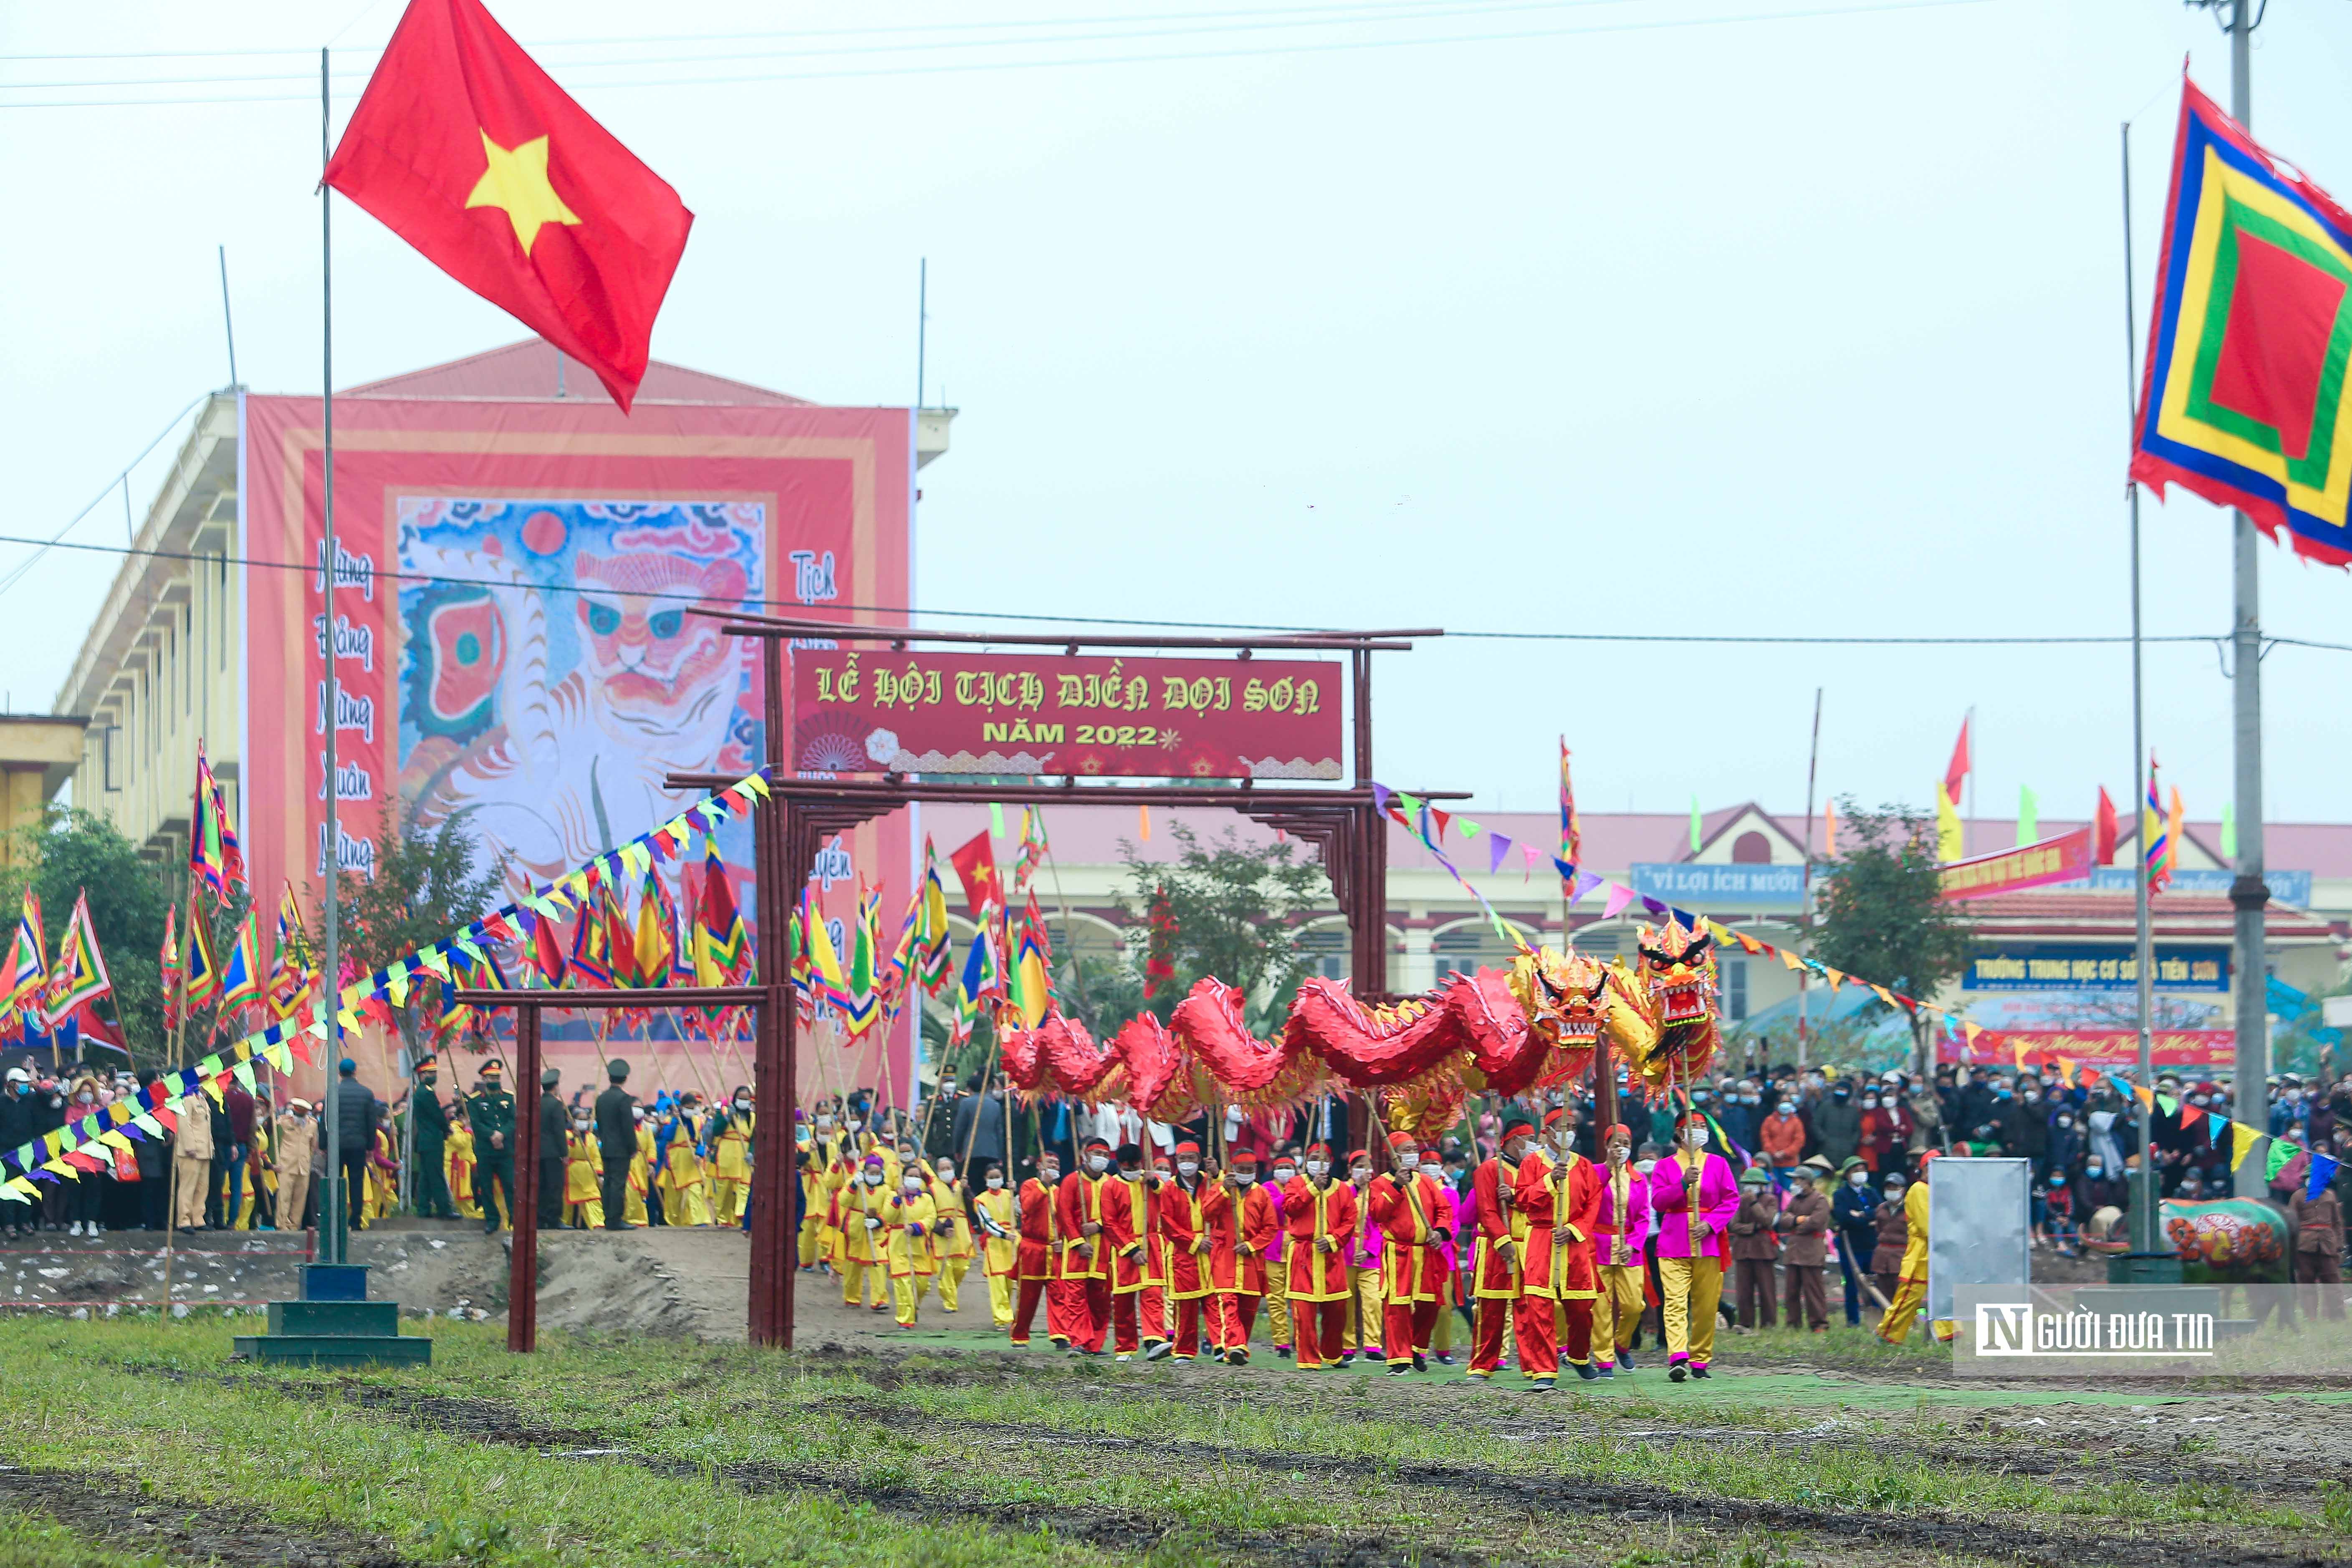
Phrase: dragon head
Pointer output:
(1565, 996)
(1678, 967)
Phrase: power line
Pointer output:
(496, 584)
(1176, 57)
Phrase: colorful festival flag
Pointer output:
(1031, 853)
(620, 943)
(591, 961)
(862, 999)
(1031, 978)
(168, 962)
(2244, 397)
(2161, 857)
(292, 982)
(28, 958)
(241, 975)
(649, 949)
(80, 975)
(465, 148)
(934, 931)
(722, 949)
(2106, 828)
(214, 859)
(546, 951)
(1571, 826)
(204, 981)
(1950, 842)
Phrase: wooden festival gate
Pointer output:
(792, 824)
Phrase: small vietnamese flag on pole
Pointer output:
(463, 147)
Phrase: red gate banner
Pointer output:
(868, 712)
(2065, 858)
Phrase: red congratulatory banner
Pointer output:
(865, 712)
(2100, 1047)
(2065, 858)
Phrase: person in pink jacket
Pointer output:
(1693, 1194)
(1620, 1261)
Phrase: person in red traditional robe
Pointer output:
(1560, 1191)
(1318, 1226)
(1196, 1217)
(1077, 1302)
(1128, 1206)
(1495, 1262)
(1237, 1253)
(1410, 1210)
(1040, 1241)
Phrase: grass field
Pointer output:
(132, 1442)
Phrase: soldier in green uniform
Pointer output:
(432, 1140)
(490, 1110)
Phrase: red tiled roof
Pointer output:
(2181, 917)
(527, 372)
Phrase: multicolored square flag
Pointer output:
(2244, 400)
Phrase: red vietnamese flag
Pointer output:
(470, 152)
(975, 865)
(1956, 772)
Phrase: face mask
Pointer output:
(85, 1097)
(913, 1184)
(580, 1124)
(873, 1178)
(1432, 1170)
(1646, 1166)
(1788, 1108)
(1859, 1178)
(1695, 1138)
(824, 1124)
(1318, 1169)
(1244, 1178)
(1188, 1167)
(1282, 1174)
(1097, 1164)
(742, 1105)
(2032, 1096)
(1870, 1102)
(1133, 1175)
(2059, 1179)
(994, 1183)
(1840, 1094)
(1360, 1174)
(2066, 1122)
(2091, 1170)
(857, 1126)
(1698, 1096)
(1893, 1195)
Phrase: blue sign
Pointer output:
(1693, 886)
(2046, 966)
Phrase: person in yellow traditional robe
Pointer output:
(728, 1135)
(950, 1232)
(999, 1241)
(457, 1162)
(583, 1178)
(641, 1166)
(908, 1222)
(684, 1198)
(864, 1264)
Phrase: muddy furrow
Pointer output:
(108, 1509)
(2068, 1542)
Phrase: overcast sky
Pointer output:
(1621, 320)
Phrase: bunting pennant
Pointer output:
(2243, 1139)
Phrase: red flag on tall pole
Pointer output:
(2103, 830)
(983, 884)
(1956, 772)
(463, 147)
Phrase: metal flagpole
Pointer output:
(330, 977)
(1805, 892)
(2143, 1204)
(2248, 892)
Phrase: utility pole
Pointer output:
(2249, 983)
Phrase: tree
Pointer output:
(426, 886)
(1232, 905)
(1883, 916)
(75, 852)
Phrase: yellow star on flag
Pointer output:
(515, 181)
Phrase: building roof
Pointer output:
(528, 372)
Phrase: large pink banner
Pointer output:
(511, 617)
(2065, 858)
